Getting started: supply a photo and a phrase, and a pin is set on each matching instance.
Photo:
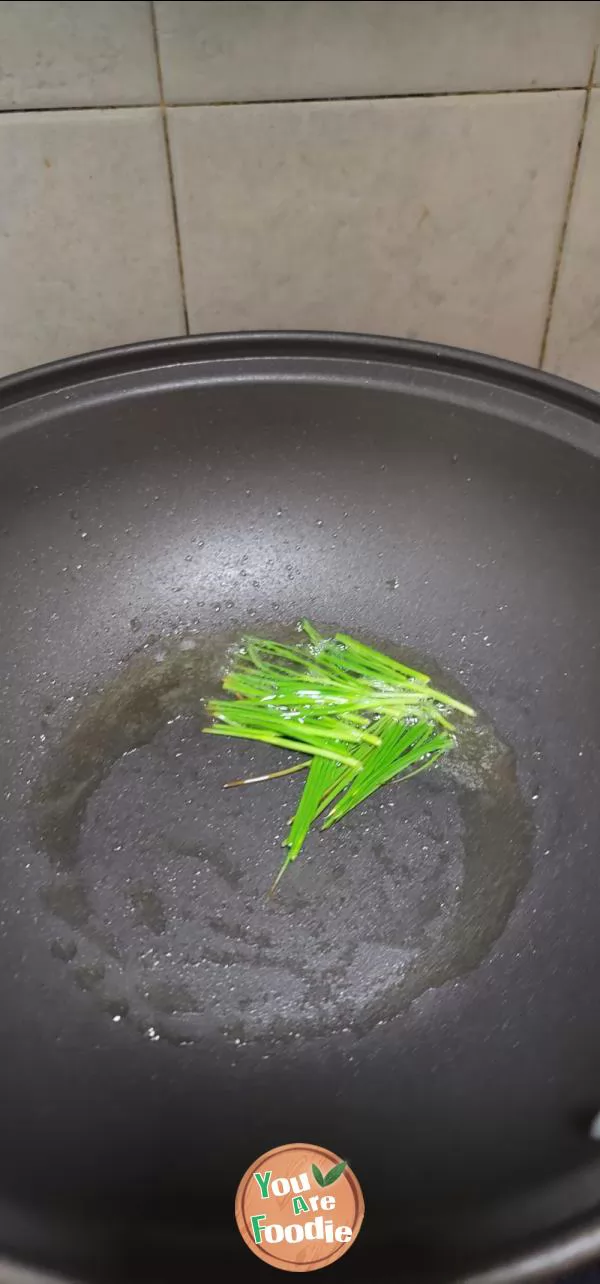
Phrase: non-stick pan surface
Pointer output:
(422, 995)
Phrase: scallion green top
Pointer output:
(360, 718)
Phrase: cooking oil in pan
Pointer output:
(157, 879)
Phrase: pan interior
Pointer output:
(420, 994)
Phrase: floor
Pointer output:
(430, 170)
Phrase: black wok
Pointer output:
(422, 995)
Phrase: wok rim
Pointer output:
(39, 380)
(563, 1250)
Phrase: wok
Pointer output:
(422, 994)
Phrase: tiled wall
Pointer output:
(422, 169)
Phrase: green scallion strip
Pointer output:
(318, 698)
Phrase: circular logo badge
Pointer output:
(299, 1207)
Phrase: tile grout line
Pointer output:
(417, 95)
(169, 159)
(567, 214)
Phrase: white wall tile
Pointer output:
(574, 340)
(432, 218)
(76, 55)
(273, 49)
(87, 246)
